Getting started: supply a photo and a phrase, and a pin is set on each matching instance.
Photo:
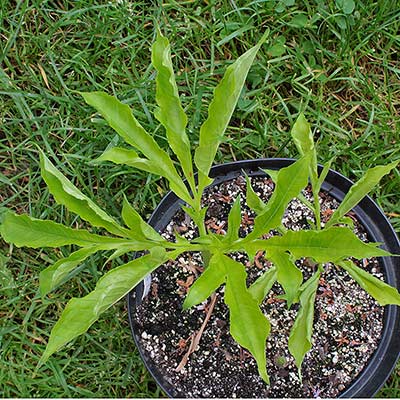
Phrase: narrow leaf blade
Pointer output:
(252, 199)
(121, 119)
(288, 275)
(360, 189)
(290, 181)
(207, 283)
(170, 112)
(52, 276)
(141, 230)
(327, 245)
(234, 221)
(81, 313)
(302, 135)
(301, 332)
(69, 195)
(261, 287)
(23, 230)
(248, 325)
(272, 173)
(382, 292)
(324, 173)
(119, 155)
(221, 108)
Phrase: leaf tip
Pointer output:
(187, 303)
(97, 161)
(264, 37)
(92, 98)
(43, 160)
(38, 147)
(158, 31)
(85, 95)
(299, 373)
(3, 212)
(264, 375)
(301, 123)
(44, 287)
(44, 358)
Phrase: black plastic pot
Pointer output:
(383, 361)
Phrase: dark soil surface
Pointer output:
(347, 321)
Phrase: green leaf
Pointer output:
(248, 325)
(347, 221)
(69, 195)
(141, 229)
(288, 275)
(261, 287)
(234, 221)
(81, 313)
(341, 21)
(299, 21)
(347, 6)
(280, 7)
(23, 230)
(277, 50)
(302, 135)
(382, 292)
(327, 245)
(316, 182)
(121, 119)
(303, 138)
(324, 173)
(221, 108)
(170, 113)
(120, 251)
(301, 332)
(307, 203)
(290, 181)
(119, 155)
(252, 199)
(360, 189)
(207, 283)
(272, 173)
(55, 274)
(193, 214)
(278, 47)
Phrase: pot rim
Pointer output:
(384, 359)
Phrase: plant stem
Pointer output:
(206, 255)
(315, 189)
(317, 208)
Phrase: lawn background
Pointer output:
(336, 60)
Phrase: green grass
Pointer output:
(341, 69)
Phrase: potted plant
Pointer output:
(294, 257)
